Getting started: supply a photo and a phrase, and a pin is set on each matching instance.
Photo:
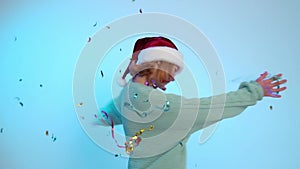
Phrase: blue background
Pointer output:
(40, 42)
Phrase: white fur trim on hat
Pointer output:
(161, 53)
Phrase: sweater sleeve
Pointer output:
(193, 114)
(215, 108)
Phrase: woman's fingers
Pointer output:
(278, 89)
(262, 76)
(278, 83)
(275, 95)
(274, 78)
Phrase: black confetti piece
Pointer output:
(1, 131)
(41, 85)
(53, 138)
(271, 107)
(21, 104)
(135, 95)
(141, 11)
(95, 24)
(101, 73)
(278, 88)
(15, 38)
(181, 144)
(20, 80)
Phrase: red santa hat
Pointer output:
(154, 49)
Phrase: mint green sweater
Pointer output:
(174, 119)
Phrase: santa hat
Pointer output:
(154, 49)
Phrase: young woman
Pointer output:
(157, 125)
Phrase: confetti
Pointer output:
(135, 95)
(101, 73)
(82, 117)
(47, 132)
(80, 104)
(117, 155)
(166, 106)
(119, 71)
(135, 140)
(41, 85)
(15, 38)
(151, 127)
(129, 148)
(1, 131)
(278, 88)
(181, 143)
(90, 39)
(129, 106)
(154, 84)
(20, 80)
(104, 114)
(108, 27)
(113, 133)
(21, 104)
(53, 138)
(95, 24)
(141, 11)
(271, 107)
(95, 115)
(274, 78)
(120, 49)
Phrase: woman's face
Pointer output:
(164, 74)
(157, 74)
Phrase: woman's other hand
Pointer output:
(271, 86)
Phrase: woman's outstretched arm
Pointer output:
(216, 108)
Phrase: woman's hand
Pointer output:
(271, 86)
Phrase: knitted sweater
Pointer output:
(174, 119)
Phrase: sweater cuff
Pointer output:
(254, 88)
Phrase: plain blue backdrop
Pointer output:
(40, 42)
